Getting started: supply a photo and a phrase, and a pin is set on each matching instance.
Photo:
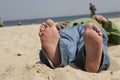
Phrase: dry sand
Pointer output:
(19, 58)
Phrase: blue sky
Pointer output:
(27, 9)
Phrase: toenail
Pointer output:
(46, 25)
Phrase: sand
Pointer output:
(19, 58)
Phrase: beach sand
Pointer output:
(19, 58)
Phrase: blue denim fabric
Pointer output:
(72, 48)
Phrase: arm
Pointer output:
(61, 25)
(111, 29)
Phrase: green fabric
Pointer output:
(110, 28)
(83, 20)
(113, 32)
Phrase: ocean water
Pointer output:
(57, 19)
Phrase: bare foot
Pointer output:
(49, 37)
(93, 47)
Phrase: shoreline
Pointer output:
(57, 18)
(113, 19)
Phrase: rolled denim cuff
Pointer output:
(46, 60)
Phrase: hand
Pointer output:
(100, 19)
(62, 25)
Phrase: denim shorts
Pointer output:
(72, 48)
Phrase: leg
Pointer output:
(93, 47)
(49, 37)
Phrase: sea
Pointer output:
(56, 19)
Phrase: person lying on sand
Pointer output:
(84, 44)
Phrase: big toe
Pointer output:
(89, 26)
(50, 23)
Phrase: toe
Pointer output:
(40, 34)
(89, 26)
(50, 23)
(96, 28)
(42, 28)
